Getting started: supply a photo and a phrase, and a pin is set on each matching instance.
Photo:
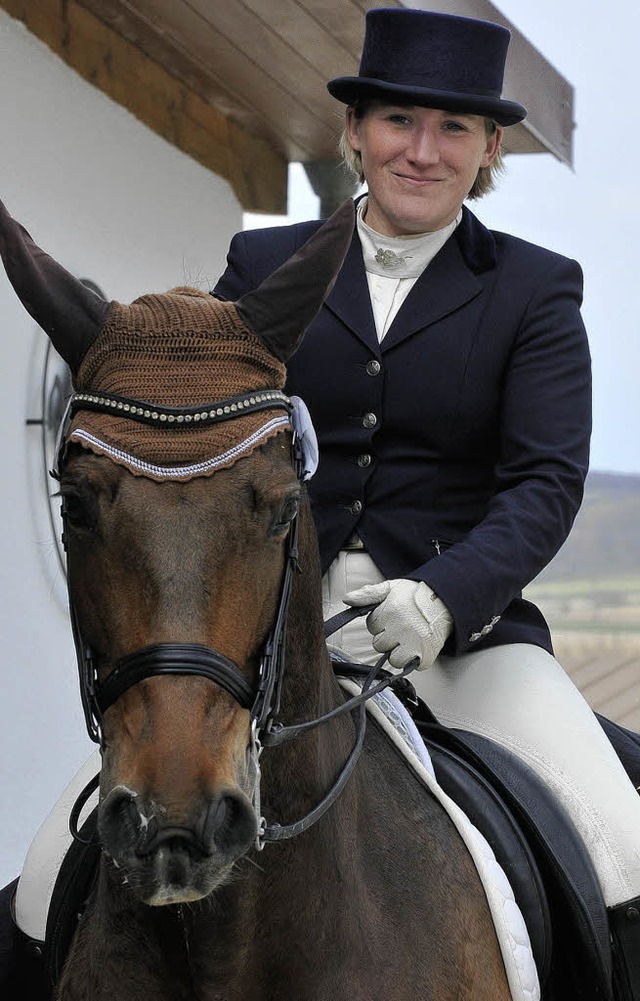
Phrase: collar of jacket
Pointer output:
(477, 243)
(451, 280)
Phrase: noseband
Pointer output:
(183, 659)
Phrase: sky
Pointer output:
(590, 213)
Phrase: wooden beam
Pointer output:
(256, 171)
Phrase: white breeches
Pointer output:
(519, 696)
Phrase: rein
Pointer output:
(195, 659)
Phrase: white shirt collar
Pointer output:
(399, 256)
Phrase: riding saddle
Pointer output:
(536, 844)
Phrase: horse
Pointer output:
(257, 841)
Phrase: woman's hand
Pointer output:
(410, 620)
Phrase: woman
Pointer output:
(448, 378)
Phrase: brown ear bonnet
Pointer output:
(176, 355)
(174, 350)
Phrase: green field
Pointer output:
(593, 605)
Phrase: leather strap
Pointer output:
(341, 619)
(174, 658)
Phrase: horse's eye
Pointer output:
(80, 509)
(285, 515)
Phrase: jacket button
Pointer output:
(356, 507)
(373, 367)
(369, 420)
(364, 460)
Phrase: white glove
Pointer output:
(410, 620)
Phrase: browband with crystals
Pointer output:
(178, 417)
(297, 416)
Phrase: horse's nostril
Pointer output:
(120, 821)
(230, 823)
(218, 814)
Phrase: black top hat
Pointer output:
(436, 60)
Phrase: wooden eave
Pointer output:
(240, 84)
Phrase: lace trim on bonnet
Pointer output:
(179, 349)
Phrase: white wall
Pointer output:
(115, 203)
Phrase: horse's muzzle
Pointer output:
(165, 862)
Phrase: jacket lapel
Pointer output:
(349, 298)
(451, 280)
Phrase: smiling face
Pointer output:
(419, 163)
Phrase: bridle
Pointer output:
(263, 701)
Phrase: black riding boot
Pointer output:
(624, 922)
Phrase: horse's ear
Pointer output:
(69, 312)
(281, 309)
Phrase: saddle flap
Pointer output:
(581, 955)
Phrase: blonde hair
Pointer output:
(486, 179)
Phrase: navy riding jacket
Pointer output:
(457, 448)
